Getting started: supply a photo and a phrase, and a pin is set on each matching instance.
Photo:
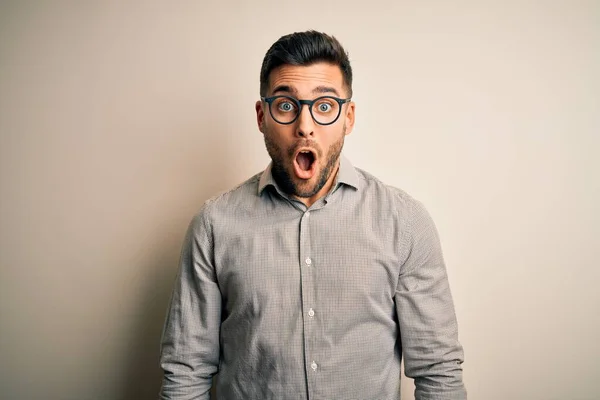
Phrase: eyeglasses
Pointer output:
(324, 110)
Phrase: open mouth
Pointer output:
(305, 159)
(304, 164)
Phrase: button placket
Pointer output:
(307, 274)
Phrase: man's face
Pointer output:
(305, 154)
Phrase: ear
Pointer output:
(260, 116)
(350, 113)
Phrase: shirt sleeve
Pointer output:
(190, 340)
(426, 316)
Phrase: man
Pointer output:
(312, 279)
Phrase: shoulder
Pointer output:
(226, 205)
(408, 213)
(413, 222)
(398, 199)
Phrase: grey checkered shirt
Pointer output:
(290, 302)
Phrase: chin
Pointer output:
(307, 188)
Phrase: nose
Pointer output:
(305, 122)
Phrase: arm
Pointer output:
(190, 342)
(428, 327)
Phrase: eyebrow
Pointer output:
(284, 88)
(326, 89)
(317, 90)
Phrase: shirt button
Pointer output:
(313, 366)
(308, 261)
(307, 214)
(311, 313)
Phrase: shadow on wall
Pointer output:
(143, 375)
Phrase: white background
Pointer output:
(118, 119)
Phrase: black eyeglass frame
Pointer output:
(309, 103)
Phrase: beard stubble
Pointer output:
(283, 171)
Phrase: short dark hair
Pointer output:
(305, 48)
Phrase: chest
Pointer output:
(274, 263)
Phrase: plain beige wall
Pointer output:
(118, 119)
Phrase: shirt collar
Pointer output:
(346, 175)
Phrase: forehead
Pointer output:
(306, 79)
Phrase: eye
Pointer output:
(286, 106)
(324, 107)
